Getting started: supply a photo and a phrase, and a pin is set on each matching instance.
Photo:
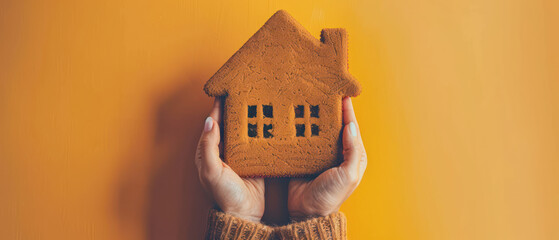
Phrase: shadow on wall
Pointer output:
(161, 192)
(177, 204)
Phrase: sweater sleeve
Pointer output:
(333, 226)
(225, 226)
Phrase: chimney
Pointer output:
(336, 38)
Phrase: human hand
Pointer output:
(325, 194)
(240, 197)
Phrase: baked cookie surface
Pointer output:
(282, 93)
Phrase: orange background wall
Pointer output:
(101, 106)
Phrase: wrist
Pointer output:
(295, 218)
(303, 215)
(243, 215)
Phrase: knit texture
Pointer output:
(333, 226)
(225, 226)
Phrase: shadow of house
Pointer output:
(177, 204)
(161, 192)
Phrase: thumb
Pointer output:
(351, 151)
(207, 154)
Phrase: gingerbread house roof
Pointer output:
(282, 41)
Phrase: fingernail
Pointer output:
(352, 129)
(208, 124)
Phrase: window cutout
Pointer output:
(252, 132)
(299, 111)
(251, 111)
(268, 131)
(268, 111)
(300, 129)
(314, 111)
(314, 130)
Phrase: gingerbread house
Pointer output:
(282, 95)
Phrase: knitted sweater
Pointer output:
(225, 226)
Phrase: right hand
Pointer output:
(325, 194)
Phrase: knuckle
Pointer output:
(349, 178)
(204, 142)
(199, 156)
(209, 175)
(205, 179)
(206, 145)
(353, 179)
(350, 149)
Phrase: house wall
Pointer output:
(284, 152)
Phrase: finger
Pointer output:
(352, 152)
(216, 110)
(216, 113)
(349, 117)
(347, 111)
(207, 155)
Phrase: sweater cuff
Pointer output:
(333, 226)
(226, 226)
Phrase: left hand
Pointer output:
(241, 197)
